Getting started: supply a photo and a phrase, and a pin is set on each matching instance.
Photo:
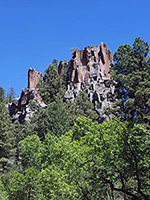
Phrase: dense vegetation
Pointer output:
(63, 153)
(132, 75)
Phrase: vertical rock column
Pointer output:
(19, 108)
(88, 71)
(33, 78)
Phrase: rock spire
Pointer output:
(88, 71)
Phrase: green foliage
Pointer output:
(34, 106)
(55, 160)
(74, 49)
(47, 155)
(2, 94)
(132, 76)
(6, 138)
(54, 187)
(91, 161)
(10, 95)
(57, 120)
(3, 192)
(92, 46)
(55, 62)
(64, 74)
(51, 85)
(29, 148)
(100, 157)
(19, 134)
(54, 119)
(82, 107)
(24, 186)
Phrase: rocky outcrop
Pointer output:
(19, 109)
(88, 71)
(33, 78)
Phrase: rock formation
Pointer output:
(19, 108)
(88, 70)
(33, 78)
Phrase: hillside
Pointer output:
(80, 131)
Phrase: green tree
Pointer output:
(19, 134)
(2, 94)
(54, 119)
(6, 138)
(82, 107)
(23, 186)
(51, 85)
(132, 75)
(10, 95)
(3, 192)
(29, 152)
(91, 161)
(103, 161)
(74, 49)
(55, 62)
(22, 183)
(64, 73)
(27, 182)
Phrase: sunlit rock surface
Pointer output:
(19, 109)
(88, 71)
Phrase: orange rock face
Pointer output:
(88, 63)
(19, 109)
(33, 78)
(88, 71)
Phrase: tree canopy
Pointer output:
(132, 75)
(62, 152)
(51, 85)
(6, 138)
(91, 161)
(54, 119)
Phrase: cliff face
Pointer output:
(33, 78)
(19, 108)
(88, 63)
(88, 70)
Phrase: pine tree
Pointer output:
(82, 107)
(54, 119)
(2, 94)
(51, 85)
(6, 138)
(132, 76)
(10, 95)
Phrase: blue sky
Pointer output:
(33, 32)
